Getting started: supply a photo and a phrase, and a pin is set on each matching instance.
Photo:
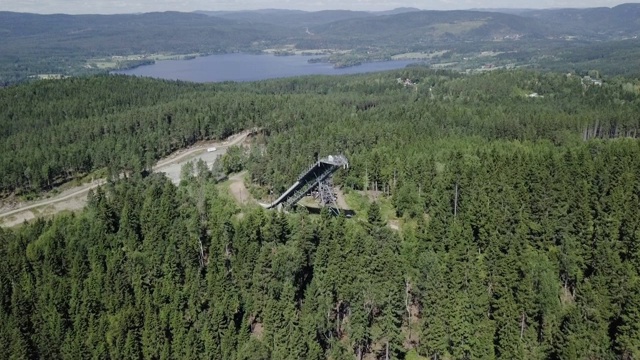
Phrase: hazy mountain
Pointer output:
(299, 18)
(290, 18)
(401, 10)
(622, 20)
(126, 34)
(430, 26)
(36, 44)
(254, 15)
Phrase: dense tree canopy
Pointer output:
(520, 239)
(52, 131)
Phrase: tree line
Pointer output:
(55, 131)
(520, 237)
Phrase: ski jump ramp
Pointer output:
(310, 180)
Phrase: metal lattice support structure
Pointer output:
(315, 178)
(326, 195)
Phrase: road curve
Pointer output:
(83, 189)
(76, 191)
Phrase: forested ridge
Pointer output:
(520, 236)
(59, 45)
(53, 131)
(35, 44)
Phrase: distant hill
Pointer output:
(149, 32)
(290, 18)
(53, 43)
(33, 44)
(395, 11)
(602, 23)
(300, 19)
(435, 26)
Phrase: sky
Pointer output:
(134, 6)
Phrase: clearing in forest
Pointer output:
(75, 198)
(238, 189)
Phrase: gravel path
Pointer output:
(75, 198)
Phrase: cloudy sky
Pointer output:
(132, 6)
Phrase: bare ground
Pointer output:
(73, 203)
(342, 203)
(13, 213)
(71, 199)
(238, 190)
(394, 224)
(257, 330)
(372, 195)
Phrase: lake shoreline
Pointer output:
(247, 67)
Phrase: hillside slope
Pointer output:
(597, 23)
(124, 34)
(515, 219)
(298, 18)
(435, 26)
(291, 18)
(33, 44)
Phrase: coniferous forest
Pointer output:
(520, 234)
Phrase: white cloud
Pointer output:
(119, 6)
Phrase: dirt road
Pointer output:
(75, 198)
(172, 165)
(71, 199)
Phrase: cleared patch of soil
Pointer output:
(171, 166)
(372, 195)
(17, 219)
(342, 203)
(13, 213)
(257, 330)
(73, 203)
(71, 199)
(238, 190)
(394, 224)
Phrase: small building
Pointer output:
(589, 80)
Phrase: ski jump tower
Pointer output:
(316, 179)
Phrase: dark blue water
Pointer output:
(246, 67)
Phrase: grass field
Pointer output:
(456, 27)
(114, 62)
(418, 55)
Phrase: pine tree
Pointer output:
(434, 339)
(628, 333)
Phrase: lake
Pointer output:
(247, 67)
